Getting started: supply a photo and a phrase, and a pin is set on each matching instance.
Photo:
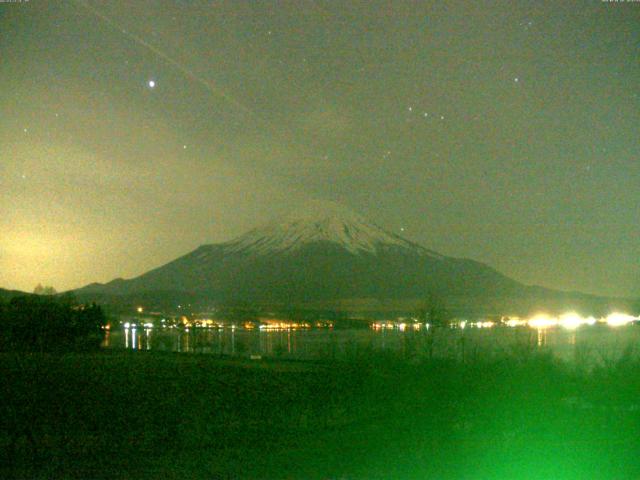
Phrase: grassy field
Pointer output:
(149, 415)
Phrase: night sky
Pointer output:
(507, 132)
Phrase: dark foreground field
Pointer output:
(142, 415)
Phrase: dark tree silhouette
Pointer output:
(48, 290)
(45, 323)
(433, 310)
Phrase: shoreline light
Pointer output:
(617, 319)
(572, 320)
(542, 321)
(515, 322)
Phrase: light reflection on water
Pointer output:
(588, 342)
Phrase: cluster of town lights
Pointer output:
(186, 323)
(572, 320)
(569, 321)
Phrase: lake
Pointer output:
(588, 343)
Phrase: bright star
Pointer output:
(152, 83)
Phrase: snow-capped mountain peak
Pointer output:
(319, 222)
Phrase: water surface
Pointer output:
(586, 343)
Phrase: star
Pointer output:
(516, 79)
(25, 130)
(151, 83)
(441, 117)
(184, 147)
(425, 114)
(411, 109)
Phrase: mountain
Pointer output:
(319, 254)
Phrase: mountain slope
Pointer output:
(320, 252)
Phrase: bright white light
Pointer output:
(463, 324)
(571, 320)
(152, 83)
(127, 325)
(542, 321)
(617, 319)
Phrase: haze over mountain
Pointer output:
(317, 254)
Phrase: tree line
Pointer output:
(50, 323)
